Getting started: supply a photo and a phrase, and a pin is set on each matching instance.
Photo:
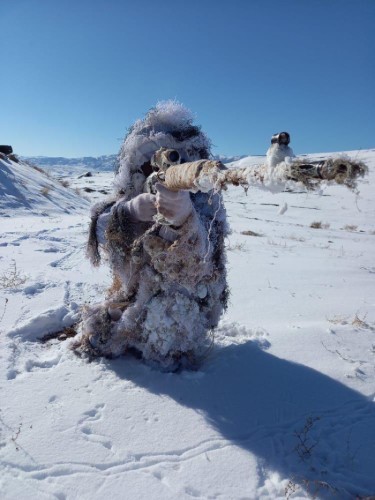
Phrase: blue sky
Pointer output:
(75, 74)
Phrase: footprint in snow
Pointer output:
(36, 288)
(94, 414)
(33, 365)
(87, 430)
(49, 250)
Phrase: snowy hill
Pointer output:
(26, 190)
(283, 405)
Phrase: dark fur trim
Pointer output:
(122, 231)
(92, 248)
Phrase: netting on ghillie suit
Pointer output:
(169, 283)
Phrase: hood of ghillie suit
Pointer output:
(170, 125)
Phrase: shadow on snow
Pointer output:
(297, 421)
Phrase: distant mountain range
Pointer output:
(229, 159)
(104, 163)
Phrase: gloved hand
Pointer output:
(141, 208)
(175, 206)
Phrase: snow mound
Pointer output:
(26, 190)
(50, 321)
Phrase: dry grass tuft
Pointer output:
(236, 246)
(350, 227)
(13, 157)
(293, 237)
(357, 322)
(12, 277)
(319, 225)
(64, 182)
(251, 233)
(361, 323)
(45, 191)
(38, 169)
(66, 333)
(305, 443)
(314, 488)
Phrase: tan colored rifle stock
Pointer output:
(204, 175)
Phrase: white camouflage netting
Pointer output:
(163, 126)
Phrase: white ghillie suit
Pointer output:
(169, 283)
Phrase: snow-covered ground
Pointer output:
(283, 404)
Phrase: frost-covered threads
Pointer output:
(166, 331)
(168, 124)
(213, 193)
(169, 289)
